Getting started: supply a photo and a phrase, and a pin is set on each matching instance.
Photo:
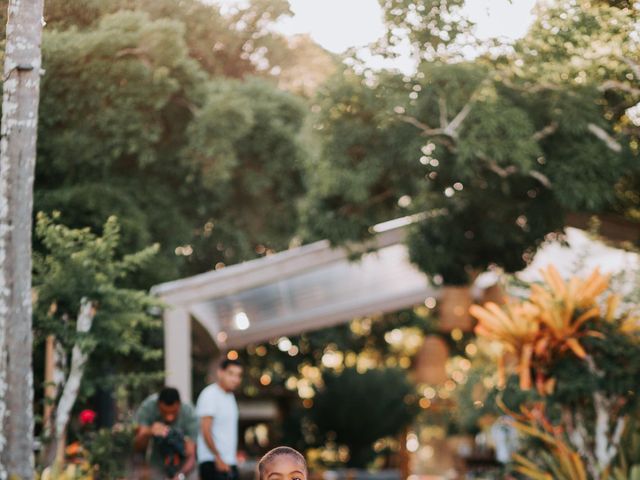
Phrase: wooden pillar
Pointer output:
(177, 351)
(404, 455)
(431, 361)
(454, 308)
(50, 390)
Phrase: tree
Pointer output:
(175, 49)
(21, 84)
(572, 45)
(307, 67)
(488, 167)
(235, 44)
(157, 119)
(134, 86)
(82, 302)
(588, 45)
(245, 147)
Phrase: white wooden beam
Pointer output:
(262, 271)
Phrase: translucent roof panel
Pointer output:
(336, 291)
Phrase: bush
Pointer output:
(109, 450)
(360, 408)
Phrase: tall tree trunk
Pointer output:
(21, 91)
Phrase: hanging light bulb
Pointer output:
(241, 321)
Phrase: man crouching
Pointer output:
(165, 431)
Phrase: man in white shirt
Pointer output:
(218, 435)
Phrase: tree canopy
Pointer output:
(491, 153)
(135, 123)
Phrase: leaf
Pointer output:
(575, 346)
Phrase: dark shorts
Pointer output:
(208, 471)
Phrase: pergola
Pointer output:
(301, 289)
(316, 286)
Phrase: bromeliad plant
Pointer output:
(569, 340)
(557, 461)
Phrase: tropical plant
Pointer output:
(583, 353)
(628, 462)
(557, 460)
(553, 319)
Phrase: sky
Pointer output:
(341, 24)
(331, 22)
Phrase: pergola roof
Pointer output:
(305, 288)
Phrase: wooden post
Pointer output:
(404, 456)
(50, 390)
(431, 361)
(454, 308)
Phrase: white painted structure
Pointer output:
(305, 288)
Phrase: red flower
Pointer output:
(87, 417)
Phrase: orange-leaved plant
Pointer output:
(553, 319)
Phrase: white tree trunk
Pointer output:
(21, 91)
(71, 388)
(607, 443)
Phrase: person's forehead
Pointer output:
(284, 464)
(233, 369)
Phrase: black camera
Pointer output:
(172, 451)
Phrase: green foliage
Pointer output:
(108, 448)
(113, 105)
(233, 45)
(145, 215)
(581, 57)
(493, 152)
(628, 462)
(132, 124)
(616, 354)
(245, 147)
(499, 131)
(344, 409)
(79, 264)
(128, 75)
(363, 166)
(484, 204)
(473, 232)
(137, 120)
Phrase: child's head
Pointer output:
(282, 463)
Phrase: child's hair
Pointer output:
(271, 455)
